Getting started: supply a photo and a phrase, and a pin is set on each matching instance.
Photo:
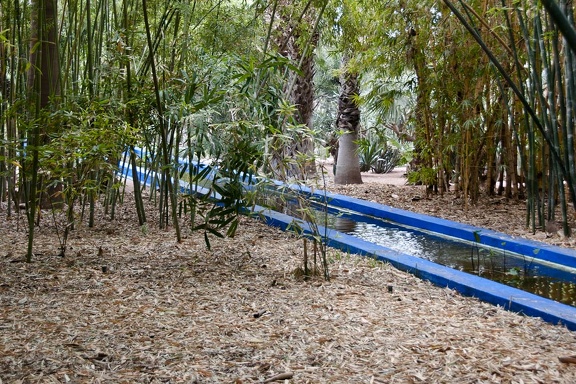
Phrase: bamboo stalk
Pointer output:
(163, 138)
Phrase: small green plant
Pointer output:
(376, 156)
(314, 215)
(423, 176)
(369, 152)
(336, 256)
(387, 161)
(374, 261)
(491, 257)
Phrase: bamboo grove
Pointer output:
(537, 95)
(88, 85)
(494, 91)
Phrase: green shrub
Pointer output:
(387, 161)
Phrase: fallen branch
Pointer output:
(568, 359)
(281, 376)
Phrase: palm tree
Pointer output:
(348, 123)
(296, 40)
(302, 96)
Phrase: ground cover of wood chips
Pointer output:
(131, 305)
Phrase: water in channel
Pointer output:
(514, 270)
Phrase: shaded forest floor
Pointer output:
(131, 305)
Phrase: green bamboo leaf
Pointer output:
(233, 227)
(214, 232)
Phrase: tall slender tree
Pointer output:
(347, 27)
(43, 95)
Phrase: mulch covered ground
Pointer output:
(131, 305)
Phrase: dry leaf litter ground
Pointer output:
(168, 312)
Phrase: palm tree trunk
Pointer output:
(348, 166)
(295, 159)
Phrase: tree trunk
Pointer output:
(44, 73)
(43, 92)
(348, 166)
(295, 159)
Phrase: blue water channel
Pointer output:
(551, 281)
(548, 280)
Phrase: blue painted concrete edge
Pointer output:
(509, 298)
(504, 242)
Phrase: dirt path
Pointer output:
(395, 177)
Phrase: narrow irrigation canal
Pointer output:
(551, 281)
(524, 272)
